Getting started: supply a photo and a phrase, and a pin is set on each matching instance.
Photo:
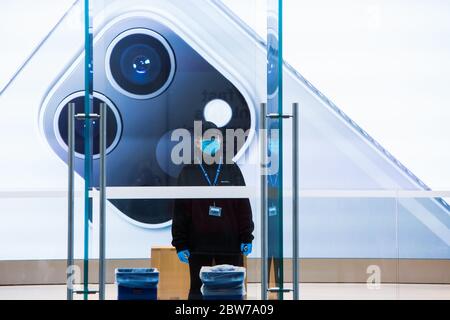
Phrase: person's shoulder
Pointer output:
(188, 168)
(235, 172)
(232, 166)
(186, 175)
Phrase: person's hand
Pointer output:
(246, 248)
(184, 256)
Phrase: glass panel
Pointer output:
(347, 237)
(373, 183)
(369, 154)
(160, 66)
(275, 148)
(424, 246)
(424, 216)
(39, 41)
(347, 247)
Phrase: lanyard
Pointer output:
(273, 180)
(205, 174)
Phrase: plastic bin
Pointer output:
(222, 276)
(137, 284)
(223, 282)
(237, 293)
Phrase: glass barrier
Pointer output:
(371, 164)
(40, 41)
(423, 245)
(348, 245)
(179, 79)
(349, 174)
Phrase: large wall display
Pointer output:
(203, 53)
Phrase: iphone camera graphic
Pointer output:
(153, 82)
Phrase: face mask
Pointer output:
(210, 147)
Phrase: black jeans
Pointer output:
(197, 261)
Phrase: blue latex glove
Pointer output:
(184, 256)
(246, 248)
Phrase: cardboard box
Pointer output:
(174, 279)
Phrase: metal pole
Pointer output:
(295, 179)
(264, 251)
(102, 187)
(70, 197)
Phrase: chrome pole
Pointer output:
(102, 187)
(70, 198)
(264, 244)
(295, 179)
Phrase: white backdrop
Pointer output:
(383, 62)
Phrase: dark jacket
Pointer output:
(194, 229)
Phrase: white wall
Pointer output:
(383, 62)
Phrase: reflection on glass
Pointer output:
(275, 179)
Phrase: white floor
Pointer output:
(308, 291)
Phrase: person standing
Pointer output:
(210, 232)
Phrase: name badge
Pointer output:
(215, 211)
(272, 211)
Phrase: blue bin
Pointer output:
(137, 284)
(223, 282)
(237, 293)
(222, 276)
(225, 297)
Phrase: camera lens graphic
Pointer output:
(113, 124)
(140, 63)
